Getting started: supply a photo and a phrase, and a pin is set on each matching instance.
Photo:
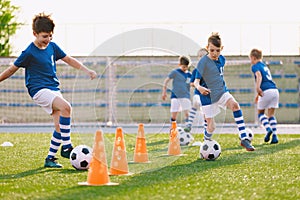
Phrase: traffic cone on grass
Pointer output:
(98, 172)
(119, 164)
(174, 144)
(140, 151)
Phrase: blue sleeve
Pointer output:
(254, 68)
(59, 53)
(172, 74)
(200, 67)
(198, 75)
(23, 60)
(222, 60)
(193, 76)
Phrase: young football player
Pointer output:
(180, 95)
(214, 92)
(39, 61)
(267, 97)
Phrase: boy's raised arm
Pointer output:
(78, 65)
(8, 72)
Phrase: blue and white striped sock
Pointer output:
(264, 121)
(205, 124)
(239, 120)
(191, 118)
(65, 129)
(273, 124)
(207, 135)
(54, 144)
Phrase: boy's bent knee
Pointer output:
(211, 127)
(234, 106)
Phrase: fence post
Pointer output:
(111, 92)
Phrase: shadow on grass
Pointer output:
(160, 142)
(28, 173)
(169, 173)
(72, 171)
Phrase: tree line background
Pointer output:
(8, 26)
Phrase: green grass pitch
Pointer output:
(270, 172)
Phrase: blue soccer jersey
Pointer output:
(205, 99)
(202, 83)
(267, 82)
(40, 67)
(212, 74)
(193, 77)
(180, 84)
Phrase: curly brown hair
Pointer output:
(42, 23)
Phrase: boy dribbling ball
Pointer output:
(214, 93)
(39, 61)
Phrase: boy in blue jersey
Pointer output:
(39, 60)
(196, 105)
(180, 95)
(267, 95)
(214, 91)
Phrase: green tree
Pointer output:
(8, 26)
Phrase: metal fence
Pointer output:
(128, 90)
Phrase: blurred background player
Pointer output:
(214, 92)
(267, 95)
(39, 60)
(180, 94)
(196, 105)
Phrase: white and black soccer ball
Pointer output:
(185, 138)
(250, 134)
(81, 157)
(210, 150)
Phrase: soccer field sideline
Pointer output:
(132, 128)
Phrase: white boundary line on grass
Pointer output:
(132, 128)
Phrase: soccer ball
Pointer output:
(210, 150)
(80, 157)
(250, 134)
(185, 138)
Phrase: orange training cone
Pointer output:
(140, 151)
(119, 164)
(174, 144)
(97, 173)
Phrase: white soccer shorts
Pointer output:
(180, 104)
(270, 99)
(196, 101)
(45, 98)
(213, 110)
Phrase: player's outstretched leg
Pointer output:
(65, 129)
(239, 120)
(50, 161)
(273, 124)
(192, 114)
(265, 122)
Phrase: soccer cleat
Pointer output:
(187, 129)
(52, 163)
(247, 144)
(274, 139)
(267, 137)
(66, 152)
